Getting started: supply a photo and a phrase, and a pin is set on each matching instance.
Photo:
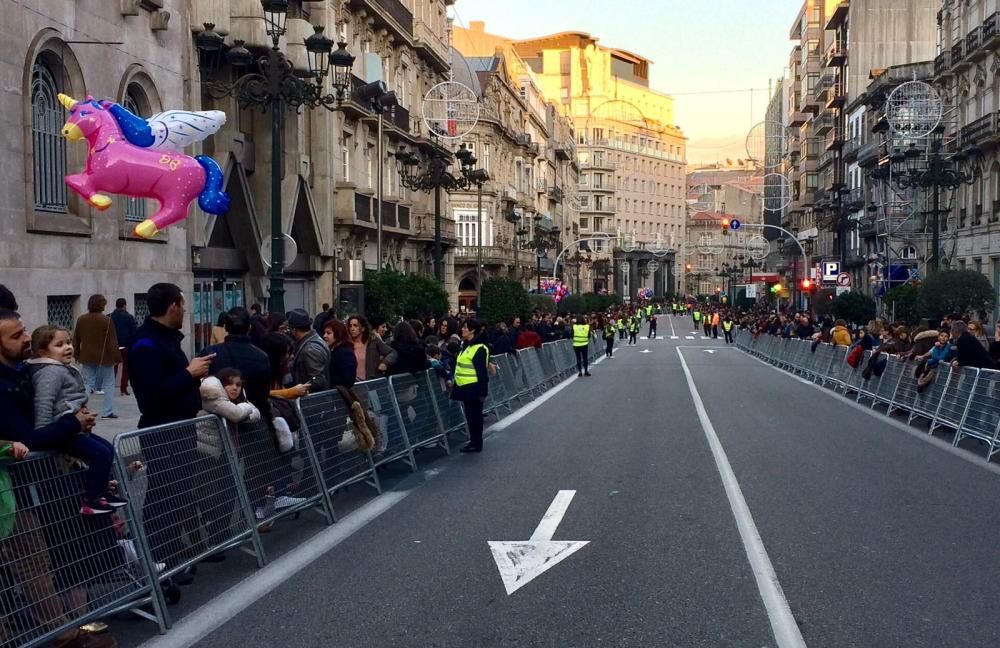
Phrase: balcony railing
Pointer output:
(836, 55)
(428, 41)
(851, 148)
(991, 35)
(972, 42)
(602, 165)
(392, 14)
(492, 254)
(822, 124)
(995, 214)
(957, 53)
(855, 198)
(942, 62)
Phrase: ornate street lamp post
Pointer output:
(275, 86)
(936, 173)
(436, 178)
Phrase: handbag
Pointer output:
(854, 356)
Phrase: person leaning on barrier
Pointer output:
(22, 543)
(166, 387)
(343, 363)
(968, 350)
(411, 356)
(237, 351)
(470, 385)
(374, 356)
(311, 357)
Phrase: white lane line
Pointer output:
(786, 631)
(673, 333)
(195, 626)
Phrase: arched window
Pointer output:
(908, 253)
(48, 144)
(136, 102)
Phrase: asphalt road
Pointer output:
(876, 537)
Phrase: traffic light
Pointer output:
(807, 285)
(687, 267)
(725, 226)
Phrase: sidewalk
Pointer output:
(125, 408)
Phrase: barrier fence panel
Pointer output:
(566, 359)
(510, 375)
(450, 411)
(889, 383)
(496, 395)
(418, 410)
(532, 368)
(868, 388)
(982, 418)
(548, 360)
(855, 375)
(906, 390)
(328, 428)
(955, 400)
(61, 569)
(278, 484)
(925, 402)
(392, 444)
(184, 486)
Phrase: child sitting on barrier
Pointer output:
(222, 395)
(439, 367)
(941, 352)
(58, 390)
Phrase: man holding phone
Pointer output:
(311, 356)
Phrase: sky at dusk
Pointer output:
(709, 54)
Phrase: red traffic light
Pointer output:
(725, 225)
(807, 284)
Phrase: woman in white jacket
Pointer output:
(221, 395)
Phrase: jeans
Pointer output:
(100, 378)
(582, 359)
(96, 452)
(474, 421)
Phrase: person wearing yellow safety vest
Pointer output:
(696, 316)
(471, 382)
(716, 318)
(609, 338)
(581, 338)
(727, 328)
(622, 325)
(633, 328)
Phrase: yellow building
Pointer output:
(631, 153)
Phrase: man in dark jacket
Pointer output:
(166, 390)
(969, 351)
(125, 327)
(310, 357)
(258, 324)
(238, 352)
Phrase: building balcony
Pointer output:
(424, 229)
(602, 210)
(973, 40)
(492, 255)
(869, 154)
(959, 61)
(835, 140)
(822, 124)
(826, 160)
(942, 64)
(361, 209)
(836, 97)
(867, 227)
(855, 198)
(838, 15)
(991, 33)
(430, 46)
(598, 165)
(850, 150)
(796, 118)
(982, 133)
(836, 55)
(608, 185)
(390, 14)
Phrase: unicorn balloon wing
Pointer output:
(175, 130)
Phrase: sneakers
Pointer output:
(579, 374)
(114, 501)
(112, 415)
(286, 501)
(586, 373)
(95, 506)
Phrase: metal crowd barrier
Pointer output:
(964, 400)
(203, 486)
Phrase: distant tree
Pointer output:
(394, 296)
(855, 307)
(502, 299)
(954, 291)
(902, 303)
(544, 304)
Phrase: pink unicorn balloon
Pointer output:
(133, 156)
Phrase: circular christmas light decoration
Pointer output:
(450, 110)
(914, 109)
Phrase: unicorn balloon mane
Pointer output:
(133, 156)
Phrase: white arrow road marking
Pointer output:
(645, 351)
(709, 351)
(520, 562)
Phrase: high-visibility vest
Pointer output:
(465, 371)
(621, 324)
(633, 324)
(609, 331)
(581, 335)
(727, 326)
(649, 309)
(696, 315)
(715, 319)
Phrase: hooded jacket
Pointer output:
(840, 336)
(58, 389)
(214, 400)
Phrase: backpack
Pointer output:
(855, 355)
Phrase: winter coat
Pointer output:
(377, 351)
(343, 366)
(411, 357)
(311, 362)
(96, 341)
(238, 352)
(125, 327)
(16, 403)
(58, 389)
(840, 336)
(157, 366)
(970, 352)
(214, 400)
(923, 342)
(528, 339)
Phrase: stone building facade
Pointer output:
(142, 53)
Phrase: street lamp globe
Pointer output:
(318, 47)
(275, 14)
(342, 63)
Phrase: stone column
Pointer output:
(633, 279)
